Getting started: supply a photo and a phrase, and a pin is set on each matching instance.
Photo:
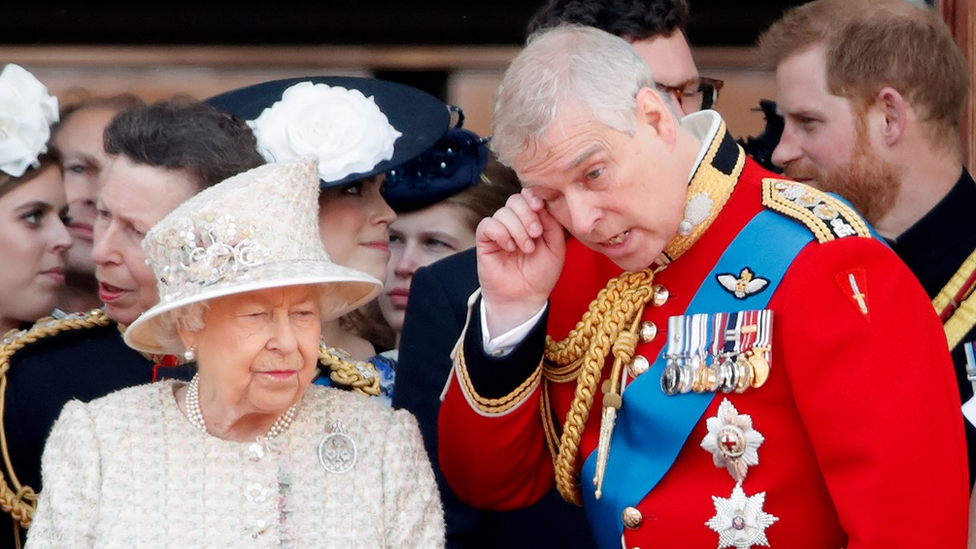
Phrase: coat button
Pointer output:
(638, 366)
(632, 518)
(648, 331)
(660, 296)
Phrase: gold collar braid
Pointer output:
(711, 182)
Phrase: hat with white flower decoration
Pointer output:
(27, 112)
(223, 242)
(358, 127)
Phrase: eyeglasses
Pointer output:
(694, 95)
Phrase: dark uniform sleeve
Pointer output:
(434, 318)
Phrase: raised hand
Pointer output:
(521, 250)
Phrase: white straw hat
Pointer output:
(253, 231)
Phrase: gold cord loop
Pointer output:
(609, 326)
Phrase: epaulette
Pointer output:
(827, 216)
(18, 500)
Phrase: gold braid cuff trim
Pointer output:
(344, 371)
(606, 328)
(495, 406)
(826, 216)
(15, 499)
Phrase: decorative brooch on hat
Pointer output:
(27, 112)
(452, 165)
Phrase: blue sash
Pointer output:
(651, 427)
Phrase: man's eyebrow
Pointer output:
(583, 156)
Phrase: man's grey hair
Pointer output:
(567, 66)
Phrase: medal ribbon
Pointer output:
(699, 337)
(764, 334)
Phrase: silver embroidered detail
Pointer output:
(337, 451)
(740, 520)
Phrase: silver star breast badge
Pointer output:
(733, 442)
(740, 520)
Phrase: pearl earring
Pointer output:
(189, 355)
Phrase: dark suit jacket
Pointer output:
(435, 316)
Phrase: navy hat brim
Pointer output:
(421, 118)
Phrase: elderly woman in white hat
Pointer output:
(249, 453)
(359, 128)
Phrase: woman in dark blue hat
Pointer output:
(359, 128)
(440, 197)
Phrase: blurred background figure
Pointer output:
(78, 137)
(876, 117)
(656, 30)
(33, 208)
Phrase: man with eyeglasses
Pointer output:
(439, 292)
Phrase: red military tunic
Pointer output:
(863, 436)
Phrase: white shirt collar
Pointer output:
(703, 125)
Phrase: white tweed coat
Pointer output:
(128, 470)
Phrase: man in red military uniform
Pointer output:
(734, 360)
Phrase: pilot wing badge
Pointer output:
(745, 285)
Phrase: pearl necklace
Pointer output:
(195, 415)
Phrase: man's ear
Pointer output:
(655, 114)
(893, 107)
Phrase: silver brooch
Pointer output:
(733, 442)
(740, 520)
(337, 451)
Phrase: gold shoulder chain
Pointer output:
(345, 371)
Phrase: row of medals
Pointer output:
(728, 373)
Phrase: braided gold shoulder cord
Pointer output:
(608, 326)
(344, 371)
(21, 504)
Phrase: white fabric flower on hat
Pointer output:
(26, 114)
(342, 127)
